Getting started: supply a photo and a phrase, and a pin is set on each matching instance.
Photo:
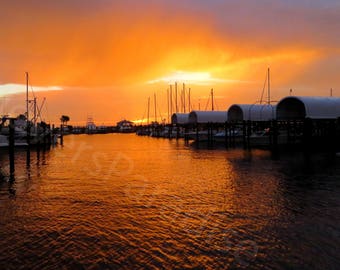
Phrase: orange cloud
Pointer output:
(103, 53)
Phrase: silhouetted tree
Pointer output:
(64, 119)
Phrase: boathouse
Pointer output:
(252, 112)
(298, 108)
(180, 118)
(205, 117)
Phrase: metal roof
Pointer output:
(253, 112)
(297, 107)
(180, 118)
(202, 117)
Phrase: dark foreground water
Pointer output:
(127, 202)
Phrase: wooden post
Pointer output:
(210, 129)
(289, 140)
(61, 135)
(232, 135)
(177, 131)
(197, 136)
(307, 134)
(28, 139)
(244, 129)
(170, 131)
(226, 135)
(186, 137)
(248, 132)
(11, 148)
(275, 134)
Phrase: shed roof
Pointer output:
(180, 118)
(297, 107)
(203, 117)
(253, 112)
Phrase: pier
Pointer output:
(301, 123)
(38, 137)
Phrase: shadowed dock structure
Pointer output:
(307, 122)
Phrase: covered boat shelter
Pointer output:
(252, 112)
(205, 117)
(180, 118)
(298, 108)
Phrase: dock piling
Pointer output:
(11, 148)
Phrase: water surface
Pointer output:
(121, 201)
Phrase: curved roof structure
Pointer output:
(203, 117)
(312, 107)
(253, 112)
(180, 118)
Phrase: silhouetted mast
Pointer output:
(212, 99)
(189, 101)
(148, 110)
(155, 107)
(27, 112)
(168, 103)
(268, 86)
(184, 97)
(171, 106)
(176, 97)
(27, 101)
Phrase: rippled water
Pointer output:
(127, 202)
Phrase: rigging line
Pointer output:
(32, 90)
(206, 106)
(160, 114)
(48, 115)
(40, 109)
(145, 110)
(264, 87)
(216, 104)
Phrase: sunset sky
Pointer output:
(104, 58)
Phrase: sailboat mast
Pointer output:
(148, 110)
(35, 112)
(171, 100)
(184, 97)
(27, 101)
(167, 95)
(176, 97)
(212, 99)
(189, 101)
(155, 107)
(27, 120)
(268, 86)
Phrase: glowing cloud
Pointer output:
(11, 88)
(198, 78)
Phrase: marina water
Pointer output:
(120, 201)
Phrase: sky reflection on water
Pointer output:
(128, 202)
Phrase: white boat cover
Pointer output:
(253, 112)
(204, 117)
(294, 107)
(180, 118)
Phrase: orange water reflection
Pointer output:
(123, 201)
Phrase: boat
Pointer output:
(201, 136)
(234, 134)
(4, 143)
